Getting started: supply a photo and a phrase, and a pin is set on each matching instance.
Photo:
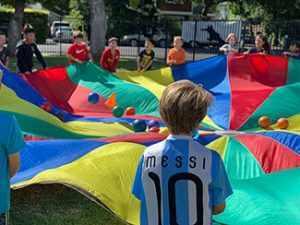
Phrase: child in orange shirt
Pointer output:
(176, 55)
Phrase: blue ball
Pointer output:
(139, 125)
(93, 98)
(153, 123)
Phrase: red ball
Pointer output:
(130, 111)
(154, 129)
(282, 123)
(264, 122)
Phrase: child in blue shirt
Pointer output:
(11, 142)
(231, 47)
(179, 181)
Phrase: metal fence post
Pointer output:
(167, 38)
(244, 36)
(195, 41)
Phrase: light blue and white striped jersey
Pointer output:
(178, 180)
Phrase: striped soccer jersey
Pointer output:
(177, 181)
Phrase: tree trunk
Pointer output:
(15, 24)
(98, 28)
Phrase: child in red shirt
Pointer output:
(110, 57)
(78, 51)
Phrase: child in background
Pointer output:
(231, 47)
(4, 56)
(294, 50)
(78, 51)
(25, 49)
(176, 55)
(262, 46)
(179, 181)
(11, 142)
(110, 57)
(146, 56)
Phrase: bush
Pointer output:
(37, 18)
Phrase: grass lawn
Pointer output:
(57, 204)
(52, 61)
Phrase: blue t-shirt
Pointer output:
(11, 141)
(228, 46)
(178, 181)
(298, 55)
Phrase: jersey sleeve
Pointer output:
(221, 187)
(137, 183)
(141, 54)
(86, 50)
(16, 141)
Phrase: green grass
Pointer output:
(57, 204)
(52, 61)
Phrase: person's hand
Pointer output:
(286, 53)
(262, 53)
(91, 61)
(27, 73)
(46, 68)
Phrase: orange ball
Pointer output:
(282, 123)
(264, 122)
(130, 111)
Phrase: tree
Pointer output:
(15, 24)
(98, 28)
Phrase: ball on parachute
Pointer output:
(93, 98)
(153, 123)
(154, 129)
(118, 111)
(282, 123)
(139, 125)
(264, 122)
(46, 106)
(130, 111)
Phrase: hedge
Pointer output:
(37, 18)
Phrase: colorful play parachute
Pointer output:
(82, 145)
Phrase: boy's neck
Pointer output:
(177, 47)
(182, 134)
(148, 50)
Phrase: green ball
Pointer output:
(118, 111)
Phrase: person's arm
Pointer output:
(88, 53)
(39, 56)
(74, 59)
(221, 187)
(138, 63)
(169, 59)
(148, 65)
(14, 144)
(217, 209)
(13, 164)
(21, 64)
(90, 57)
(7, 62)
(103, 61)
(116, 60)
(224, 49)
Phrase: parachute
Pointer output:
(82, 145)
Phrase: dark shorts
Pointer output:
(4, 219)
